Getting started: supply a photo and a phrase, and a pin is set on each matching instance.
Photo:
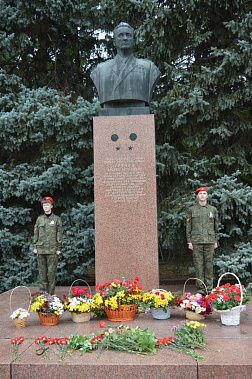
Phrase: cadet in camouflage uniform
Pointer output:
(47, 245)
(202, 235)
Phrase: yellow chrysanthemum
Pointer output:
(195, 324)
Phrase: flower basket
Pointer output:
(48, 319)
(49, 307)
(77, 316)
(194, 316)
(125, 312)
(160, 314)
(80, 317)
(231, 316)
(190, 315)
(20, 323)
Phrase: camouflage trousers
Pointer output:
(203, 263)
(47, 266)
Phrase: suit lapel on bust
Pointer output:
(127, 69)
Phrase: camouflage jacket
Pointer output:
(202, 224)
(48, 234)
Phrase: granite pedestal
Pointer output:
(125, 199)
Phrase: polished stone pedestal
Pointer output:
(125, 199)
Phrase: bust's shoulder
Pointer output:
(105, 64)
(144, 62)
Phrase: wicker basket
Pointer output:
(194, 316)
(80, 317)
(125, 312)
(160, 314)
(231, 316)
(20, 323)
(48, 319)
(190, 315)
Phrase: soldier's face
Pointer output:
(202, 195)
(47, 207)
(124, 38)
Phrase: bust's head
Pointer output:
(124, 36)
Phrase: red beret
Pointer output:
(200, 189)
(46, 198)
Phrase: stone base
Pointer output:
(124, 111)
(228, 353)
(126, 242)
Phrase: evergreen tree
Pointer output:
(202, 109)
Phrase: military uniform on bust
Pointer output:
(47, 245)
(202, 235)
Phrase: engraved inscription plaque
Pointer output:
(124, 179)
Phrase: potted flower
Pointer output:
(119, 298)
(195, 306)
(160, 302)
(229, 300)
(79, 304)
(49, 307)
(20, 316)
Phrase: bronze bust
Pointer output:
(125, 81)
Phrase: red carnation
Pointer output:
(238, 298)
(101, 324)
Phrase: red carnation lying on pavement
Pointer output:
(165, 341)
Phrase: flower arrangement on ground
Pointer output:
(227, 296)
(46, 303)
(79, 301)
(195, 303)
(16, 342)
(19, 313)
(158, 299)
(119, 292)
(123, 338)
(188, 335)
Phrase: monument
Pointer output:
(126, 242)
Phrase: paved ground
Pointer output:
(229, 352)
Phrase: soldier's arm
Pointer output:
(189, 228)
(216, 225)
(216, 228)
(35, 237)
(59, 235)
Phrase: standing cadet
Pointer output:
(47, 245)
(202, 235)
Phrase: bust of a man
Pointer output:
(125, 81)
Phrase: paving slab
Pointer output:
(228, 354)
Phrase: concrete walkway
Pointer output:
(229, 352)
